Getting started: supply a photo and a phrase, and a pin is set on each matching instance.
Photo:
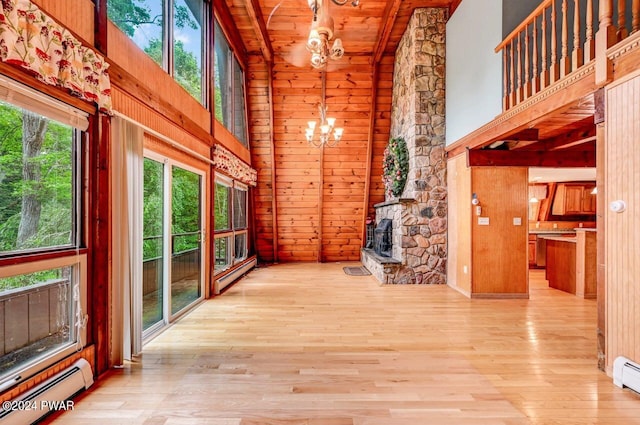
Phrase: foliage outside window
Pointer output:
(230, 206)
(178, 48)
(228, 81)
(39, 211)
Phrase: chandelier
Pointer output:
(321, 34)
(328, 135)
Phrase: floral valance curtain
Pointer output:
(232, 165)
(32, 40)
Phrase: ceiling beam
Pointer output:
(454, 5)
(559, 159)
(260, 28)
(388, 21)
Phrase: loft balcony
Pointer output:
(553, 64)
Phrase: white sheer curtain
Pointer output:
(127, 193)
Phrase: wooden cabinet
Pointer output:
(574, 199)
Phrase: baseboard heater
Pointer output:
(227, 279)
(626, 373)
(50, 395)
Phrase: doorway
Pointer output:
(173, 274)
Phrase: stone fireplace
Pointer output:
(419, 216)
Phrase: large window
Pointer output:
(172, 33)
(41, 300)
(230, 223)
(228, 81)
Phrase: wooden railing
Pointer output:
(558, 38)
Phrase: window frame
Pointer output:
(232, 232)
(75, 254)
(168, 52)
(234, 67)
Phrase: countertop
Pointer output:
(570, 239)
(551, 231)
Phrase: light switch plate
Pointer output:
(517, 221)
(483, 221)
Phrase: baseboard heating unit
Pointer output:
(50, 395)
(227, 279)
(626, 374)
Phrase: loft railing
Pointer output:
(557, 39)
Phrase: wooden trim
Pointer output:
(41, 255)
(389, 20)
(496, 158)
(522, 25)
(137, 90)
(369, 157)
(320, 201)
(453, 6)
(601, 272)
(99, 241)
(100, 30)
(257, 21)
(227, 24)
(274, 182)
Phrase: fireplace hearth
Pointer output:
(383, 238)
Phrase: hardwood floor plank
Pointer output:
(305, 344)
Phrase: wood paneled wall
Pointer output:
(261, 155)
(143, 114)
(77, 17)
(499, 250)
(381, 130)
(459, 219)
(319, 193)
(622, 244)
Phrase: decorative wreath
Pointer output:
(395, 166)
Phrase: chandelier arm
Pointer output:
(340, 2)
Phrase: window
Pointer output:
(172, 33)
(228, 81)
(230, 223)
(41, 301)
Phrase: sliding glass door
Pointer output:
(186, 238)
(172, 272)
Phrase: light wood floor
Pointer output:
(305, 344)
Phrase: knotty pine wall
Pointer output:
(261, 155)
(319, 193)
(622, 245)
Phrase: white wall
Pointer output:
(474, 71)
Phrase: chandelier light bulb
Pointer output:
(312, 125)
(331, 121)
(337, 134)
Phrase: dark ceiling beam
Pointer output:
(567, 139)
(388, 21)
(558, 159)
(454, 5)
(260, 28)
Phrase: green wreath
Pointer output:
(395, 166)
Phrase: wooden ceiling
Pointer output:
(280, 27)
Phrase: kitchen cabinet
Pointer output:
(574, 199)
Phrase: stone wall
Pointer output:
(418, 108)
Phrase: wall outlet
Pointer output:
(555, 225)
(465, 270)
(517, 221)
